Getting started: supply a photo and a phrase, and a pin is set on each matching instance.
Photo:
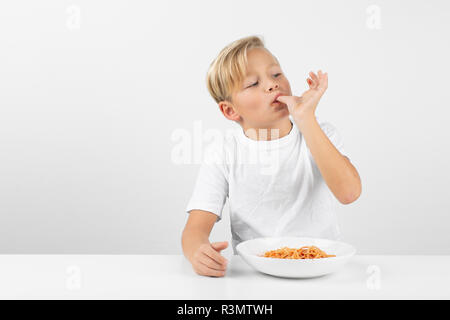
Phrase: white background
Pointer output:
(92, 91)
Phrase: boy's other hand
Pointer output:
(305, 106)
(207, 260)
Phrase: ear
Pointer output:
(229, 111)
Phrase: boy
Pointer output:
(295, 199)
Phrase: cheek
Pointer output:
(253, 103)
(287, 87)
(259, 105)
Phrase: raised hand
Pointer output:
(305, 105)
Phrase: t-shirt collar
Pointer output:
(270, 144)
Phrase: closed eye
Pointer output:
(275, 75)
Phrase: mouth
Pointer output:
(276, 97)
(275, 102)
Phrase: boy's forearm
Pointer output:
(191, 239)
(340, 175)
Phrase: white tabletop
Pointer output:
(172, 277)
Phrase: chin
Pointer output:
(282, 111)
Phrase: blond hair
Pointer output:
(229, 68)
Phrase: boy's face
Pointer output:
(253, 101)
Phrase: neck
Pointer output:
(277, 131)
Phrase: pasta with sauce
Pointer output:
(305, 252)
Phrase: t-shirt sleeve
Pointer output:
(334, 136)
(211, 187)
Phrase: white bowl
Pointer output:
(251, 250)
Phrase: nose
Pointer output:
(273, 87)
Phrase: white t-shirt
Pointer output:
(274, 187)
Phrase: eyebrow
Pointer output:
(270, 65)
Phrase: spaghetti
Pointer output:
(305, 252)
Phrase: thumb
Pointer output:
(290, 101)
(284, 99)
(219, 245)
